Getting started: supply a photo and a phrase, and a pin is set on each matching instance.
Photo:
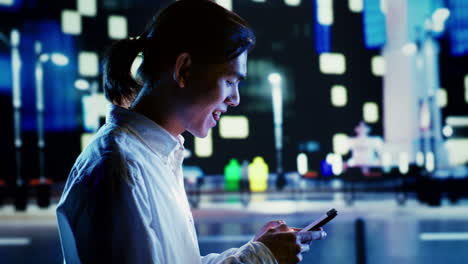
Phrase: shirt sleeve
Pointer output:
(108, 213)
(250, 253)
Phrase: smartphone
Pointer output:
(321, 221)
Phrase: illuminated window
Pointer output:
(325, 12)
(378, 65)
(339, 96)
(292, 2)
(94, 109)
(117, 27)
(71, 22)
(340, 144)
(82, 85)
(7, 2)
(370, 112)
(225, 3)
(234, 127)
(355, 5)
(442, 97)
(86, 139)
(87, 7)
(88, 64)
(302, 163)
(403, 163)
(332, 63)
(466, 89)
(204, 146)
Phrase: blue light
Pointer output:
(322, 33)
(11, 6)
(374, 25)
(458, 26)
(5, 74)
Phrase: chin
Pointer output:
(200, 133)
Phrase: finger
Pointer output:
(307, 237)
(304, 248)
(299, 257)
(275, 223)
(283, 228)
(295, 229)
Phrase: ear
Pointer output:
(182, 69)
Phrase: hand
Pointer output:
(286, 243)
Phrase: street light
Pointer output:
(41, 58)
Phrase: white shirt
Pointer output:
(125, 202)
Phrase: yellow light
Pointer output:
(71, 22)
(340, 144)
(258, 175)
(355, 6)
(204, 146)
(339, 96)
(332, 63)
(234, 127)
(87, 7)
(378, 65)
(225, 3)
(117, 27)
(371, 112)
(442, 97)
(88, 64)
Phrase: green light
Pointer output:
(232, 175)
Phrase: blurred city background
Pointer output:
(358, 105)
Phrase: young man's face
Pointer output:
(216, 89)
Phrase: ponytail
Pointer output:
(119, 85)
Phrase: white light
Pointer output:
(59, 59)
(259, 1)
(447, 131)
(370, 112)
(302, 163)
(439, 17)
(117, 27)
(85, 139)
(386, 161)
(457, 151)
(87, 7)
(420, 158)
(355, 6)
(15, 241)
(44, 58)
(466, 88)
(457, 121)
(383, 6)
(430, 162)
(274, 78)
(88, 64)
(82, 85)
(378, 65)
(442, 97)
(337, 164)
(94, 108)
(225, 3)
(339, 96)
(292, 2)
(71, 22)
(14, 38)
(204, 146)
(403, 163)
(7, 2)
(135, 65)
(325, 12)
(410, 49)
(234, 127)
(332, 63)
(444, 236)
(340, 144)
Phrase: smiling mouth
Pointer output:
(217, 115)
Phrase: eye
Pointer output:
(230, 83)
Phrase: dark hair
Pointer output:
(208, 32)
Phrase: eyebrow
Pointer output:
(239, 75)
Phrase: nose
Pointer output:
(233, 99)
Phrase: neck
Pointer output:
(161, 110)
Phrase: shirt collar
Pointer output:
(157, 138)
